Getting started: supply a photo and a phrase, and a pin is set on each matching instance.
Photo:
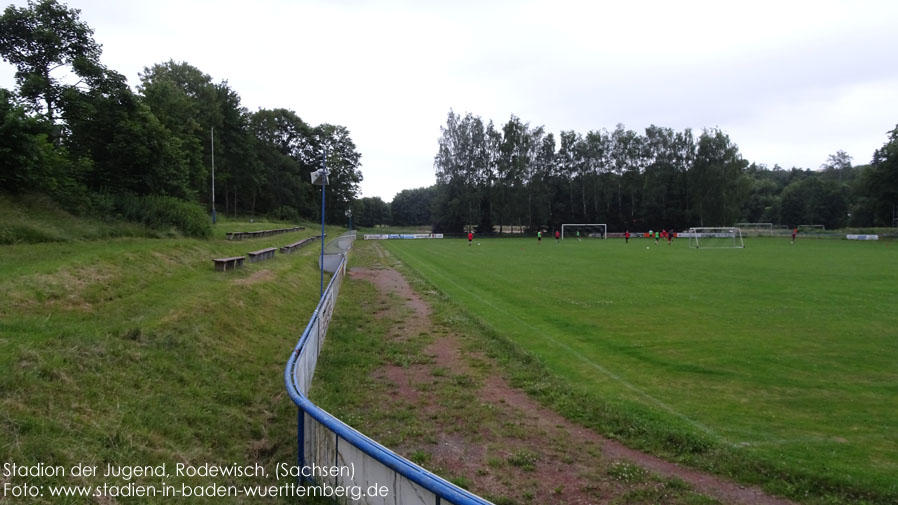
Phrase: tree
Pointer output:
(41, 38)
(130, 150)
(412, 207)
(236, 155)
(881, 181)
(370, 212)
(30, 163)
(624, 159)
(762, 204)
(815, 201)
(837, 166)
(664, 178)
(343, 163)
(543, 179)
(717, 180)
(568, 165)
(486, 171)
(460, 173)
(186, 102)
(596, 159)
(660, 194)
(285, 148)
(513, 157)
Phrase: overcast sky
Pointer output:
(790, 82)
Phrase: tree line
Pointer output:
(491, 177)
(96, 143)
(89, 142)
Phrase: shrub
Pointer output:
(160, 212)
(285, 213)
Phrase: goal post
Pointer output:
(594, 230)
(756, 229)
(726, 237)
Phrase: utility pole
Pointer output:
(323, 184)
(213, 176)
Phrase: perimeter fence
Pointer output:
(325, 442)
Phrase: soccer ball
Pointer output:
(647, 247)
(478, 243)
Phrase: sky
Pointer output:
(791, 82)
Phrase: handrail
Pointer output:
(443, 489)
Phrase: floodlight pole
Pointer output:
(324, 183)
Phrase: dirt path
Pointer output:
(504, 443)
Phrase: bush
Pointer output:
(285, 213)
(160, 212)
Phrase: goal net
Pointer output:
(586, 230)
(716, 238)
(756, 229)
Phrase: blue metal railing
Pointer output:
(297, 377)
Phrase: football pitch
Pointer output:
(778, 363)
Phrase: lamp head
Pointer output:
(319, 177)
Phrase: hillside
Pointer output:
(117, 348)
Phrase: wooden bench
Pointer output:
(289, 248)
(225, 264)
(239, 235)
(261, 254)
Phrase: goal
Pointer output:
(756, 229)
(716, 238)
(586, 230)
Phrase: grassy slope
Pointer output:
(35, 218)
(134, 351)
(774, 363)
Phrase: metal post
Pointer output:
(321, 263)
(213, 176)
(301, 442)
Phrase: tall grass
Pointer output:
(160, 212)
(136, 352)
(32, 219)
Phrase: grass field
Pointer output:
(775, 364)
(134, 351)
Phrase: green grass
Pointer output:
(774, 364)
(36, 218)
(362, 341)
(134, 351)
